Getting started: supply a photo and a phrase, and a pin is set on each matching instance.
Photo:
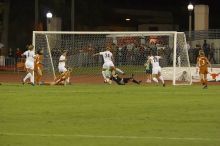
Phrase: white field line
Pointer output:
(110, 137)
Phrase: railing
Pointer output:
(203, 34)
(11, 64)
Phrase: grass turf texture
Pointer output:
(104, 115)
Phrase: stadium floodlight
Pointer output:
(190, 9)
(128, 19)
(49, 15)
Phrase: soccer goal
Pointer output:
(130, 51)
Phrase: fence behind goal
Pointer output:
(212, 38)
(130, 51)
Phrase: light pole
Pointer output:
(49, 16)
(127, 19)
(36, 13)
(73, 15)
(190, 9)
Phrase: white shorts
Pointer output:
(107, 65)
(29, 65)
(62, 69)
(156, 70)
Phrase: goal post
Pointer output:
(130, 51)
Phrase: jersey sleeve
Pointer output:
(158, 57)
(25, 53)
(62, 58)
(101, 53)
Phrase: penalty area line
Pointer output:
(110, 137)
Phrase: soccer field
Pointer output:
(109, 115)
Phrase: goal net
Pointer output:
(130, 51)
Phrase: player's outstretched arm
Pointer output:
(96, 54)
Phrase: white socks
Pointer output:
(104, 75)
(27, 76)
(32, 78)
(161, 78)
(155, 79)
(68, 80)
(119, 71)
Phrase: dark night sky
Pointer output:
(95, 12)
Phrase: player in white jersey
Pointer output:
(108, 63)
(108, 68)
(62, 65)
(29, 64)
(156, 71)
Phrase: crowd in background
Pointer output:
(135, 53)
(127, 51)
(10, 60)
(208, 49)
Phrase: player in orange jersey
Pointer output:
(61, 79)
(203, 64)
(38, 66)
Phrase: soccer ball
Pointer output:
(108, 81)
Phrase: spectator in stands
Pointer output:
(124, 52)
(191, 53)
(130, 48)
(153, 48)
(212, 54)
(90, 51)
(148, 51)
(18, 54)
(136, 53)
(10, 53)
(142, 54)
(1, 49)
(120, 54)
(206, 48)
(85, 56)
(196, 52)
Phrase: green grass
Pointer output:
(104, 115)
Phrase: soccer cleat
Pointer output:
(23, 82)
(115, 75)
(164, 84)
(110, 82)
(32, 84)
(139, 82)
(205, 87)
